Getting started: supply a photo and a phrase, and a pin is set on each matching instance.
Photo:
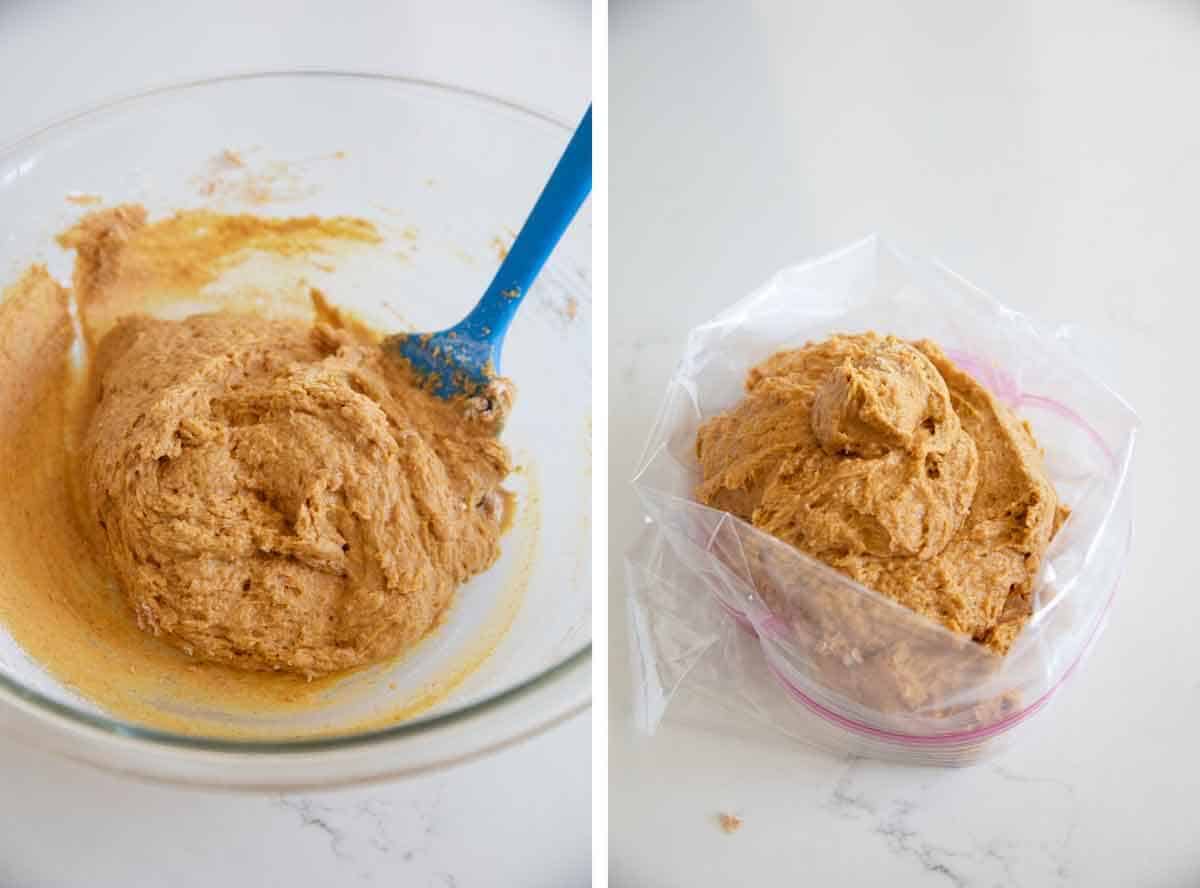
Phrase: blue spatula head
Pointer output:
(450, 362)
(466, 358)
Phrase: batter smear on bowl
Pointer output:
(884, 460)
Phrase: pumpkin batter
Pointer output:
(882, 459)
(59, 598)
(280, 496)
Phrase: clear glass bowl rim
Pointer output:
(576, 661)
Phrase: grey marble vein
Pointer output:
(844, 800)
(1059, 851)
(912, 812)
(365, 831)
(313, 815)
(903, 839)
(426, 813)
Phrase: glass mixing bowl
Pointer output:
(447, 175)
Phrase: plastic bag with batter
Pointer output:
(832, 663)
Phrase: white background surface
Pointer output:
(1050, 152)
(519, 818)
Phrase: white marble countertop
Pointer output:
(521, 817)
(1047, 151)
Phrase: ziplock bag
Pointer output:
(829, 661)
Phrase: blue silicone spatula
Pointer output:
(466, 356)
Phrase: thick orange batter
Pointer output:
(884, 460)
(59, 348)
(281, 496)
